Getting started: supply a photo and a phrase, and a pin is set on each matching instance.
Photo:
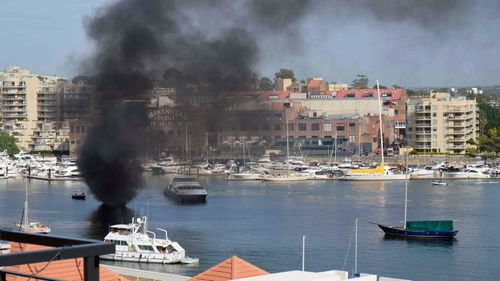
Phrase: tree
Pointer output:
(7, 142)
(265, 84)
(361, 82)
(380, 86)
(492, 132)
(284, 74)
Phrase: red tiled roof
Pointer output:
(70, 269)
(360, 93)
(232, 268)
(314, 83)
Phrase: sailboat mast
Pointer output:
(287, 144)
(380, 122)
(335, 148)
(303, 252)
(406, 168)
(356, 249)
(26, 220)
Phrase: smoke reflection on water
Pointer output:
(104, 216)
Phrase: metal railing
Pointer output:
(62, 248)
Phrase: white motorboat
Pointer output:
(469, 173)
(439, 183)
(286, 177)
(422, 173)
(26, 225)
(133, 244)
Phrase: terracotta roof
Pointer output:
(232, 268)
(395, 94)
(70, 269)
(314, 83)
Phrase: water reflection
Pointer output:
(104, 216)
(419, 242)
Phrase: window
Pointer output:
(396, 111)
(352, 139)
(350, 95)
(315, 126)
(352, 125)
(72, 129)
(434, 114)
(327, 127)
(290, 127)
(340, 128)
(77, 129)
(302, 127)
(277, 127)
(445, 114)
(368, 95)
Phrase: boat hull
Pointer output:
(198, 198)
(367, 177)
(400, 232)
(142, 258)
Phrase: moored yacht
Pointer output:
(186, 189)
(133, 244)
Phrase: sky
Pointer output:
(408, 43)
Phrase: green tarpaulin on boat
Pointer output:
(430, 225)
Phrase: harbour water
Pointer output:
(264, 222)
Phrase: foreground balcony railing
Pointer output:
(63, 248)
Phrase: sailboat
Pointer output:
(288, 176)
(381, 172)
(419, 229)
(26, 225)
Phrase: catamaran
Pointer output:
(133, 244)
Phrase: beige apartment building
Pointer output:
(29, 110)
(442, 123)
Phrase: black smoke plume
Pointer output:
(214, 44)
(135, 42)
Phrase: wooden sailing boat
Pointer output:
(26, 225)
(419, 229)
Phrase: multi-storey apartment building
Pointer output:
(442, 123)
(77, 110)
(29, 109)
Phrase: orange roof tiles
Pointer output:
(360, 93)
(232, 268)
(314, 83)
(70, 269)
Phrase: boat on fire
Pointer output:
(133, 243)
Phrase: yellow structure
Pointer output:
(441, 123)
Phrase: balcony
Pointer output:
(457, 118)
(462, 132)
(458, 147)
(456, 110)
(423, 132)
(423, 125)
(457, 125)
(423, 139)
(423, 147)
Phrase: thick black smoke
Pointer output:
(135, 42)
(213, 43)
